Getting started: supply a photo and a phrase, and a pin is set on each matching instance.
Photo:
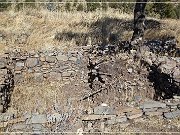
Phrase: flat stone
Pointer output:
(149, 109)
(38, 118)
(51, 59)
(37, 127)
(103, 110)
(38, 77)
(31, 62)
(155, 113)
(55, 76)
(136, 113)
(66, 74)
(163, 110)
(73, 59)
(121, 119)
(152, 104)
(18, 126)
(61, 57)
(171, 115)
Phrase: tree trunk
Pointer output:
(139, 26)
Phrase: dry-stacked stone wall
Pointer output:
(50, 65)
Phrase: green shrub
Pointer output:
(177, 10)
(31, 5)
(93, 6)
(4, 6)
(68, 6)
(80, 7)
(165, 10)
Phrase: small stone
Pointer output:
(103, 110)
(19, 65)
(51, 59)
(170, 115)
(130, 70)
(2, 64)
(61, 57)
(55, 76)
(149, 109)
(1, 108)
(38, 77)
(135, 113)
(38, 118)
(73, 59)
(31, 62)
(43, 59)
(121, 119)
(66, 74)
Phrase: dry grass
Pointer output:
(42, 26)
(43, 97)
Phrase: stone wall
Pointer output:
(48, 65)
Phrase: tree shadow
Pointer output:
(105, 30)
(165, 86)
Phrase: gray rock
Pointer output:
(73, 59)
(170, 115)
(19, 65)
(51, 59)
(37, 127)
(38, 118)
(111, 121)
(55, 76)
(103, 110)
(154, 113)
(134, 115)
(66, 74)
(18, 126)
(61, 57)
(121, 119)
(149, 109)
(31, 62)
(152, 104)
(2, 64)
(38, 77)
